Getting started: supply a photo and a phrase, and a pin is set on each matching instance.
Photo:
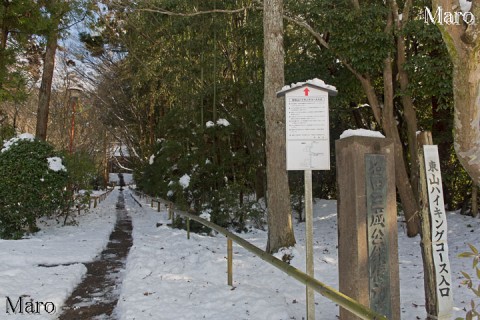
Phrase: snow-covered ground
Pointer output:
(170, 277)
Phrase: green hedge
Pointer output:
(29, 187)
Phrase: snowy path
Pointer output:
(168, 277)
(98, 293)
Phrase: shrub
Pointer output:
(32, 184)
(469, 281)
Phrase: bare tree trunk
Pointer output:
(408, 192)
(4, 32)
(466, 88)
(280, 229)
(46, 86)
(462, 42)
(407, 101)
(404, 187)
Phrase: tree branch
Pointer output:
(189, 14)
(364, 80)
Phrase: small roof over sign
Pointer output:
(315, 83)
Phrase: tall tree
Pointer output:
(57, 11)
(46, 84)
(48, 69)
(280, 230)
(463, 44)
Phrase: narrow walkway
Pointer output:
(97, 295)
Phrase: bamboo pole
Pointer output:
(330, 293)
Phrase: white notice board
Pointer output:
(307, 129)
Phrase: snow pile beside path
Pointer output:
(48, 265)
(170, 277)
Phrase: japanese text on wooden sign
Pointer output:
(378, 253)
(439, 232)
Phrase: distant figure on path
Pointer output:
(121, 181)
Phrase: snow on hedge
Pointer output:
(11, 142)
(223, 122)
(55, 164)
(220, 122)
(184, 181)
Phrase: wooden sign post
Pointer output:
(438, 234)
(308, 148)
(367, 224)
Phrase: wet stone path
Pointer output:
(97, 295)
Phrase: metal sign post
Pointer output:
(309, 242)
(308, 148)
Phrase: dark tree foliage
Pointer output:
(177, 69)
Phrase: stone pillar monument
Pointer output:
(367, 224)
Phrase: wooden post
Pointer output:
(310, 294)
(425, 138)
(95, 202)
(229, 262)
(158, 207)
(188, 228)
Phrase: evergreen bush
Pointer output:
(470, 283)
(32, 184)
